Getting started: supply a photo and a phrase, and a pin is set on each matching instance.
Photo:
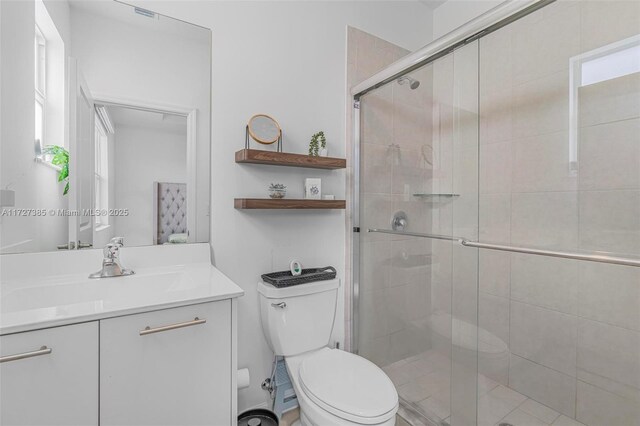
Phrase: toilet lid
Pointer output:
(348, 386)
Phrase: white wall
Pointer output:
(144, 155)
(35, 184)
(454, 13)
(131, 62)
(287, 59)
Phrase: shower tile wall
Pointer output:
(395, 272)
(573, 328)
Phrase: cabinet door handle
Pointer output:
(149, 330)
(42, 351)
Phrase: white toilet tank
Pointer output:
(299, 318)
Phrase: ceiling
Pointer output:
(127, 14)
(166, 123)
(432, 4)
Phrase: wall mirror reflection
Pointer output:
(105, 129)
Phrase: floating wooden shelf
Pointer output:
(256, 156)
(286, 203)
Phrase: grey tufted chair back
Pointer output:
(171, 207)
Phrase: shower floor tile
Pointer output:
(423, 381)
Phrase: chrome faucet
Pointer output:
(111, 266)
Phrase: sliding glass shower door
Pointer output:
(560, 172)
(507, 289)
(418, 296)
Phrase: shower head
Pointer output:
(413, 83)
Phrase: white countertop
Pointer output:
(29, 303)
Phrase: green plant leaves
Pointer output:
(61, 159)
(63, 173)
(318, 141)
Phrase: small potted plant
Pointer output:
(58, 156)
(277, 190)
(318, 145)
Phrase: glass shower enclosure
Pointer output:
(497, 275)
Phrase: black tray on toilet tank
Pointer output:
(286, 279)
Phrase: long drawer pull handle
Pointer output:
(149, 330)
(42, 351)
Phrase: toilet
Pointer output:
(333, 387)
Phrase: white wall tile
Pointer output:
(541, 163)
(622, 18)
(376, 169)
(610, 294)
(494, 272)
(609, 155)
(377, 115)
(545, 281)
(373, 307)
(541, 106)
(547, 386)
(497, 61)
(375, 265)
(598, 407)
(375, 212)
(545, 219)
(493, 315)
(495, 167)
(557, 25)
(609, 351)
(609, 101)
(410, 262)
(610, 221)
(496, 113)
(495, 218)
(544, 336)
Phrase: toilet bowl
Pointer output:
(333, 387)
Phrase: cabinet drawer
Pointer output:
(167, 367)
(50, 377)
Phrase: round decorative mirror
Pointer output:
(264, 129)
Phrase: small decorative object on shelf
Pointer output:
(265, 130)
(313, 189)
(318, 145)
(328, 197)
(277, 190)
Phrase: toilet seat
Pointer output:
(348, 386)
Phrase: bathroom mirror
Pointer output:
(105, 127)
(264, 129)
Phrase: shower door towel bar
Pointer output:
(601, 258)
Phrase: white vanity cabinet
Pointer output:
(168, 367)
(50, 376)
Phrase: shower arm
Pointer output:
(600, 258)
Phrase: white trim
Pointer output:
(106, 99)
(191, 115)
(105, 120)
(192, 167)
(491, 17)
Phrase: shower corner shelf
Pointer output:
(433, 195)
(287, 204)
(256, 156)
